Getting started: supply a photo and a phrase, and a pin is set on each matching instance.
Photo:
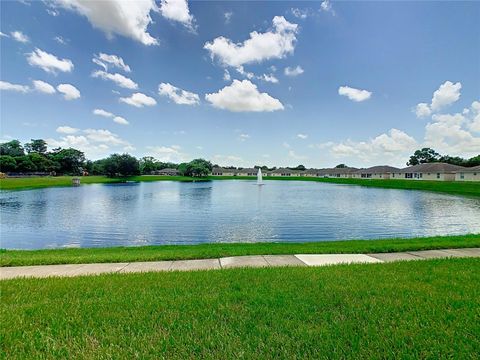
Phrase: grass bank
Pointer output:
(469, 188)
(448, 187)
(35, 182)
(204, 251)
(424, 309)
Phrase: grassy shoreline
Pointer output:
(204, 251)
(419, 309)
(449, 187)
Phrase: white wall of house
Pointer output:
(467, 176)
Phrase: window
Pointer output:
(438, 175)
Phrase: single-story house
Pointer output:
(218, 171)
(247, 172)
(338, 172)
(430, 171)
(468, 174)
(284, 172)
(167, 172)
(376, 172)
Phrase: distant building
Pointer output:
(468, 174)
(247, 172)
(166, 172)
(218, 171)
(376, 172)
(338, 172)
(430, 171)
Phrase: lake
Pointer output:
(168, 212)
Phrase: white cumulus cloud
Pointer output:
(49, 62)
(5, 85)
(445, 95)
(118, 79)
(67, 130)
(177, 95)
(126, 18)
(167, 153)
(19, 36)
(101, 112)
(274, 44)
(289, 71)
(243, 96)
(43, 87)
(353, 94)
(177, 10)
(139, 100)
(69, 91)
(104, 60)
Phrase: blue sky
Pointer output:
(244, 83)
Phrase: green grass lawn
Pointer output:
(49, 181)
(450, 187)
(409, 310)
(203, 251)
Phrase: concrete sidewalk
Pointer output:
(68, 270)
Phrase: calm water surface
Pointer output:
(225, 211)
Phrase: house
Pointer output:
(218, 171)
(338, 172)
(430, 171)
(167, 172)
(376, 172)
(468, 174)
(284, 172)
(247, 172)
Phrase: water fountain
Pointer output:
(259, 177)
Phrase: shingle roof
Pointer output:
(432, 167)
(471, 169)
(382, 169)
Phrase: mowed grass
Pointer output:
(425, 309)
(203, 251)
(467, 188)
(36, 182)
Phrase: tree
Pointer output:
(71, 161)
(25, 164)
(198, 168)
(182, 169)
(7, 163)
(341, 166)
(121, 165)
(299, 167)
(12, 148)
(43, 163)
(473, 161)
(38, 146)
(425, 155)
(148, 164)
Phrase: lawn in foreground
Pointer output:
(424, 309)
(204, 251)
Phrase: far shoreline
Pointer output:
(465, 188)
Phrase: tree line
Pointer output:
(33, 157)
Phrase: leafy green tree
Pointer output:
(42, 163)
(341, 166)
(25, 164)
(423, 156)
(299, 167)
(7, 163)
(121, 165)
(12, 148)
(182, 169)
(198, 168)
(148, 164)
(473, 161)
(38, 146)
(71, 161)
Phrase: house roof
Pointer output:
(338, 171)
(471, 169)
(432, 167)
(382, 169)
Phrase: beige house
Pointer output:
(247, 172)
(468, 174)
(430, 171)
(218, 171)
(167, 172)
(338, 172)
(376, 172)
(284, 172)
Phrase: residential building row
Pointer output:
(430, 171)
